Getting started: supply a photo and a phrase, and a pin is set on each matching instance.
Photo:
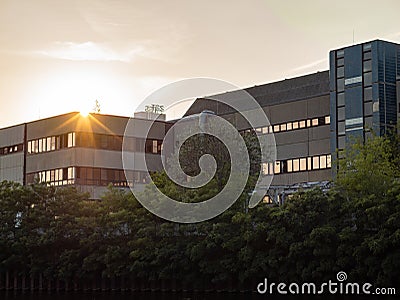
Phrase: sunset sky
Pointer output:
(60, 56)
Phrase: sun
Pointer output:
(84, 112)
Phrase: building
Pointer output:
(364, 89)
(311, 116)
(72, 149)
(298, 110)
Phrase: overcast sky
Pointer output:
(60, 56)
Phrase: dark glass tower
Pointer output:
(363, 93)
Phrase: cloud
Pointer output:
(312, 65)
(89, 51)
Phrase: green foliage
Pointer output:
(355, 227)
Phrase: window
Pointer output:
(340, 62)
(368, 79)
(339, 53)
(276, 128)
(290, 165)
(303, 164)
(296, 165)
(308, 123)
(302, 124)
(340, 72)
(277, 167)
(340, 85)
(367, 66)
(309, 163)
(367, 55)
(283, 127)
(366, 47)
(322, 161)
(328, 120)
(341, 127)
(341, 142)
(265, 130)
(314, 122)
(368, 108)
(264, 167)
(316, 162)
(328, 161)
(341, 114)
(368, 93)
(289, 126)
(340, 99)
(295, 125)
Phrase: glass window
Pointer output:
(289, 166)
(367, 55)
(315, 162)
(366, 47)
(283, 127)
(265, 130)
(341, 142)
(303, 164)
(295, 125)
(276, 128)
(296, 165)
(368, 122)
(368, 93)
(30, 147)
(48, 142)
(308, 123)
(71, 140)
(328, 161)
(315, 122)
(328, 120)
(339, 53)
(40, 146)
(340, 72)
(322, 161)
(309, 163)
(277, 167)
(368, 108)
(341, 113)
(302, 124)
(367, 78)
(155, 146)
(264, 167)
(53, 143)
(367, 66)
(340, 99)
(340, 85)
(341, 127)
(340, 62)
(289, 126)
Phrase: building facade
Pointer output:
(312, 117)
(75, 150)
(364, 89)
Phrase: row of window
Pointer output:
(93, 140)
(11, 149)
(325, 120)
(51, 143)
(103, 177)
(297, 165)
(89, 176)
(57, 177)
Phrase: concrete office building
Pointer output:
(298, 110)
(311, 117)
(75, 150)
